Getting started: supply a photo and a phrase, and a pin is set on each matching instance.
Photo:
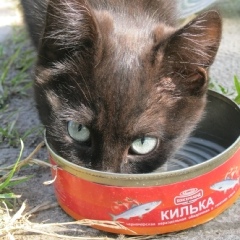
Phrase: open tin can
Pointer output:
(164, 202)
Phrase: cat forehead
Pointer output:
(127, 37)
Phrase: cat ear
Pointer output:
(70, 27)
(192, 49)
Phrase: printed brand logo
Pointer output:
(188, 196)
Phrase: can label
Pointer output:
(156, 209)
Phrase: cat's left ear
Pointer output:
(191, 50)
(70, 27)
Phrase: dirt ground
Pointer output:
(226, 226)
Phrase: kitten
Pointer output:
(118, 86)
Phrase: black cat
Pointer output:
(118, 86)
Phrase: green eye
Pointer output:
(78, 131)
(144, 145)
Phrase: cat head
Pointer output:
(120, 92)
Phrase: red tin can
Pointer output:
(164, 202)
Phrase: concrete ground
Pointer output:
(227, 225)
(227, 63)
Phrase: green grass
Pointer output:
(8, 178)
(7, 181)
(232, 93)
(10, 134)
(237, 88)
(16, 60)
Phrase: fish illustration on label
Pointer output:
(137, 211)
(225, 185)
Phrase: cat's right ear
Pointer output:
(70, 27)
(189, 52)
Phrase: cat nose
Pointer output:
(111, 165)
(110, 157)
(106, 166)
(112, 169)
(125, 166)
(122, 166)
